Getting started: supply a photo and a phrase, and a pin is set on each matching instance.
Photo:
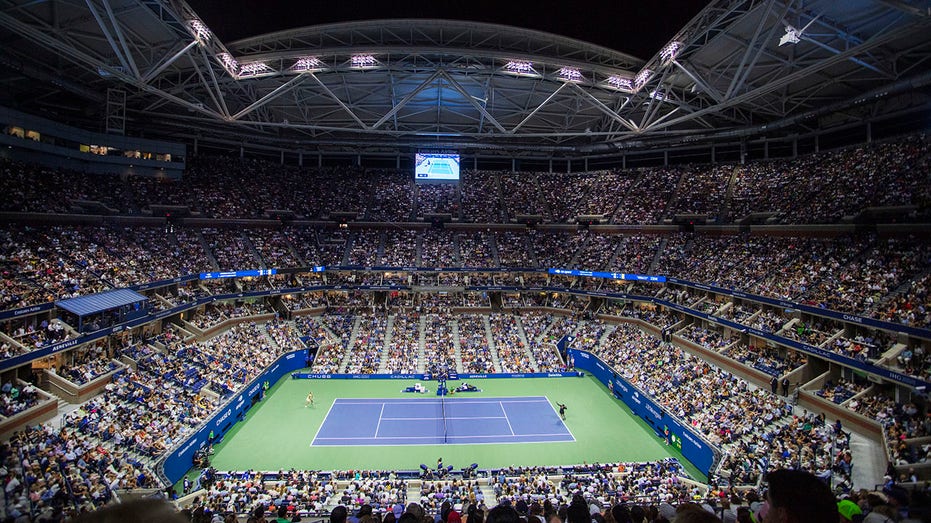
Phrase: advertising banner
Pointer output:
(693, 447)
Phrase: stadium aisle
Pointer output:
(869, 459)
(64, 408)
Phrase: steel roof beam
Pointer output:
(742, 72)
(339, 102)
(120, 38)
(157, 70)
(537, 108)
(906, 8)
(875, 41)
(86, 60)
(607, 110)
(106, 32)
(213, 88)
(282, 89)
(465, 94)
(404, 101)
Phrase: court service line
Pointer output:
(500, 404)
(379, 419)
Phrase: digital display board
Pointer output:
(257, 272)
(436, 167)
(609, 275)
(237, 274)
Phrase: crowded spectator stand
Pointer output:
(890, 265)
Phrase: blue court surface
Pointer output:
(438, 167)
(427, 421)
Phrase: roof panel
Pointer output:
(95, 303)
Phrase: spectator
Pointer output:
(798, 497)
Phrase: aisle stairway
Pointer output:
(578, 252)
(457, 344)
(729, 194)
(556, 321)
(609, 330)
(207, 251)
(869, 461)
(528, 245)
(658, 256)
(344, 360)
(491, 344)
(493, 249)
(418, 258)
(422, 343)
(383, 354)
(250, 247)
(523, 339)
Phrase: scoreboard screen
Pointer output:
(435, 167)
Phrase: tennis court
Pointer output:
(428, 421)
(277, 433)
(440, 167)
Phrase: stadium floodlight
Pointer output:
(621, 84)
(570, 74)
(254, 69)
(642, 78)
(520, 68)
(670, 52)
(793, 34)
(200, 30)
(232, 66)
(363, 60)
(308, 64)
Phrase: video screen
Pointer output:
(435, 167)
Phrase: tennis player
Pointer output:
(562, 410)
(310, 399)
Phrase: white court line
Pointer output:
(448, 417)
(323, 422)
(441, 444)
(404, 401)
(563, 422)
(454, 437)
(506, 417)
(379, 419)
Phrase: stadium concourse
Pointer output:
(838, 315)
